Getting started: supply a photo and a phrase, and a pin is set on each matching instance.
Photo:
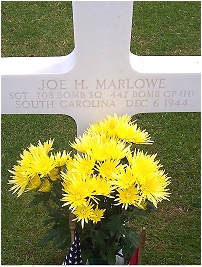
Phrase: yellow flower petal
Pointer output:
(34, 183)
(83, 213)
(128, 196)
(121, 127)
(61, 158)
(151, 180)
(45, 186)
(97, 214)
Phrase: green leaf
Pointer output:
(114, 217)
(132, 236)
(41, 197)
(129, 242)
(103, 254)
(127, 249)
(49, 236)
(99, 238)
(150, 207)
(86, 254)
(59, 235)
(48, 221)
(115, 225)
(111, 258)
(57, 216)
(64, 245)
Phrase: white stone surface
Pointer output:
(101, 76)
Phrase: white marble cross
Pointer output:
(101, 76)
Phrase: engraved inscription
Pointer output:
(35, 104)
(129, 84)
(52, 84)
(148, 93)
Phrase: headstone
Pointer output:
(101, 76)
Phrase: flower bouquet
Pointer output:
(105, 181)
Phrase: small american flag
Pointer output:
(74, 254)
(134, 259)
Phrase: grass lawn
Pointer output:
(159, 28)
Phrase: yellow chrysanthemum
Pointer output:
(34, 161)
(107, 168)
(154, 188)
(45, 186)
(106, 126)
(97, 214)
(83, 143)
(101, 147)
(43, 164)
(26, 159)
(65, 176)
(134, 134)
(34, 183)
(121, 127)
(83, 164)
(70, 164)
(128, 196)
(76, 192)
(26, 164)
(124, 178)
(101, 186)
(44, 148)
(66, 182)
(151, 180)
(142, 164)
(73, 200)
(54, 174)
(19, 180)
(61, 158)
(162, 192)
(34, 164)
(109, 148)
(83, 213)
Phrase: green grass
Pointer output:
(159, 28)
(174, 231)
(37, 29)
(166, 28)
(22, 227)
